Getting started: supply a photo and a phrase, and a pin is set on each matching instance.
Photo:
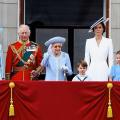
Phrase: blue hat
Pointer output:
(101, 20)
(53, 40)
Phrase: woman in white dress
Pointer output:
(99, 53)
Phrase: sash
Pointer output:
(27, 58)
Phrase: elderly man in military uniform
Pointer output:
(23, 56)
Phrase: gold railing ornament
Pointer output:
(11, 108)
(109, 111)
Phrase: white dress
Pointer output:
(96, 58)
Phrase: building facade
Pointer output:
(10, 19)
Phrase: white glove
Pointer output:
(48, 53)
(45, 59)
(64, 68)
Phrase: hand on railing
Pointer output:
(34, 74)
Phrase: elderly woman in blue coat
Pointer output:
(56, 62)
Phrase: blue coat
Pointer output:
(115, 72)
(53, 64)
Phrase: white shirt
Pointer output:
(79, 77)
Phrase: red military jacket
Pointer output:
(21, 59)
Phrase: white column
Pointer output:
(9, 22)
(115, 24)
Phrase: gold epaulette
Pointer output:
(13, 43)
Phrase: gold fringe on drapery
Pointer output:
(109, 110)
(11, 108)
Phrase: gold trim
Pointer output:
(109, 111)
(11, 108)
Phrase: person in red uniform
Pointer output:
(23, 56)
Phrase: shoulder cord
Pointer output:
(15, 51)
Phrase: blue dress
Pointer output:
(2, 71)
(115, 72)
(53, 65)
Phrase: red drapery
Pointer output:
(40, 100)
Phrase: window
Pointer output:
(67, 18)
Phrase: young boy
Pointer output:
(115, 70)
(82, 68)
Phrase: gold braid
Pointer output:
(16, 52)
